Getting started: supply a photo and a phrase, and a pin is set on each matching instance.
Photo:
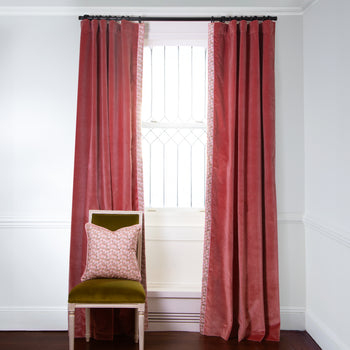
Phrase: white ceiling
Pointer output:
(296, 5)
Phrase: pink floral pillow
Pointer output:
(111, 254)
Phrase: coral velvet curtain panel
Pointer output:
(108, 165)
(240, 294)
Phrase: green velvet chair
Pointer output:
(108, 292)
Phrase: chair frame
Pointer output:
(139, 307)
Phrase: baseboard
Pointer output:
(166, 313)
(324, 337)
(292, 318)
(33, 319)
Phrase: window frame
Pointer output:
(175, 33)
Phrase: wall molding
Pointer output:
(149, 10)
(190, 232)
(320, 332)
(292, 318)
(33, 318)
(309, 6)
(33, 223)
(173, 312)
(336, 234)
(290, 217)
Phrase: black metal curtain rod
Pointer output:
(181, 19)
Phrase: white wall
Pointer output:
(38, 70)
(327, 172)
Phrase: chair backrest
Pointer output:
(116, 219)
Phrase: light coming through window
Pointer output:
(174, 110)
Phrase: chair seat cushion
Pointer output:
(107, 290)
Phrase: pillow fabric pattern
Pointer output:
(111, 254)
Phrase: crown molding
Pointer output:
(307, 7)
(149, 11)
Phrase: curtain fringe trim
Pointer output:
(210, 130)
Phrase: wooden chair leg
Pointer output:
(87, 325)
(71, 317)
(141, 328)
(136, 326)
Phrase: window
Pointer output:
(174, 125)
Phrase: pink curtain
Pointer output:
(240, 295)
(108, 165)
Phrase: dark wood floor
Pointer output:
(290, 340)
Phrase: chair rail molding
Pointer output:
(292, 217)
(336, 234)
(33, 222)
(155, 234)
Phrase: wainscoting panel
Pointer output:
(35, 253)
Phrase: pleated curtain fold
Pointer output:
(108, 163)
(240, 294)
